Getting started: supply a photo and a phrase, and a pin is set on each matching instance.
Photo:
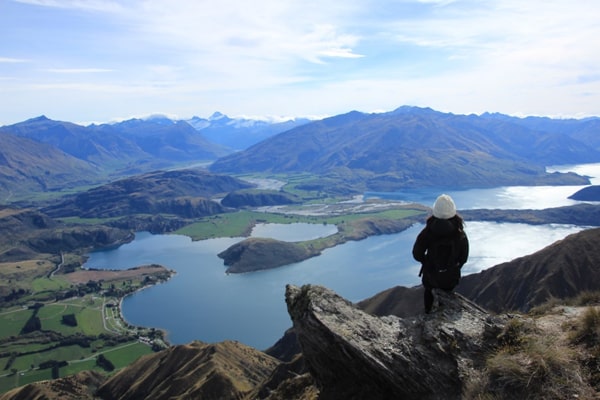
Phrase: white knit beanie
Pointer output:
(444, 207)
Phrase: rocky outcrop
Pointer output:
(354, 355)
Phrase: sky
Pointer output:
(99, 61)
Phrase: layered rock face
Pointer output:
(354, 355)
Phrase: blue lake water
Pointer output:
(202, 302)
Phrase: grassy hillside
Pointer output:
(28, 166)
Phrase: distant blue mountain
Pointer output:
(240, 133)
(156, 141)
(416, 147)
(98, 153)
(407, 147)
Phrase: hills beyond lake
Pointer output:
(345, 154)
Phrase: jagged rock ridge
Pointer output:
(353, 355)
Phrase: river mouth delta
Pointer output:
(202, 302)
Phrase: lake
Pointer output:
(204, 303)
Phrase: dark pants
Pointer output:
(428, 297)
(445, 279)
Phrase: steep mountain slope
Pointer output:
(166, 139)
(40, 155)
(150, 140)
(226, 370)
(584, 130)
(415, 147)
(560, 270)
(30, 166)
(182, 192)
(91, 145)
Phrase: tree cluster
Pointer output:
(104, 363)
(69, 320)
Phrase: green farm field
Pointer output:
(240, 223)
(99, 329)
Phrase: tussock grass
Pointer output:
(539, 370)
(515, 332)
(586, 332)
(547, 306)
(587, 328)
(584, 298)
(531, 363)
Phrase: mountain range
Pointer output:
(408, 147)
(40, 154)
(420, 147)
(241, 133)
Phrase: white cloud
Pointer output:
(90, 5)
(294, 57)
(340, 52)
(9, 60)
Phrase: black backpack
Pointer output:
(441, 266)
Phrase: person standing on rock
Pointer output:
(442, 248)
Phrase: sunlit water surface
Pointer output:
(202, 302)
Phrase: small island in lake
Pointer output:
(588, 193)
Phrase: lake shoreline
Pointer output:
(249, 308)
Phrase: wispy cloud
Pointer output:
(307, 57)
(93, 5)
(9, 60)
(78, 70)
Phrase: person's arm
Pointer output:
(420, 246)
(463, 249)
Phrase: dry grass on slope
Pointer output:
(224, 370)
(552, 353)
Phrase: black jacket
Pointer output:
(437, 228)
